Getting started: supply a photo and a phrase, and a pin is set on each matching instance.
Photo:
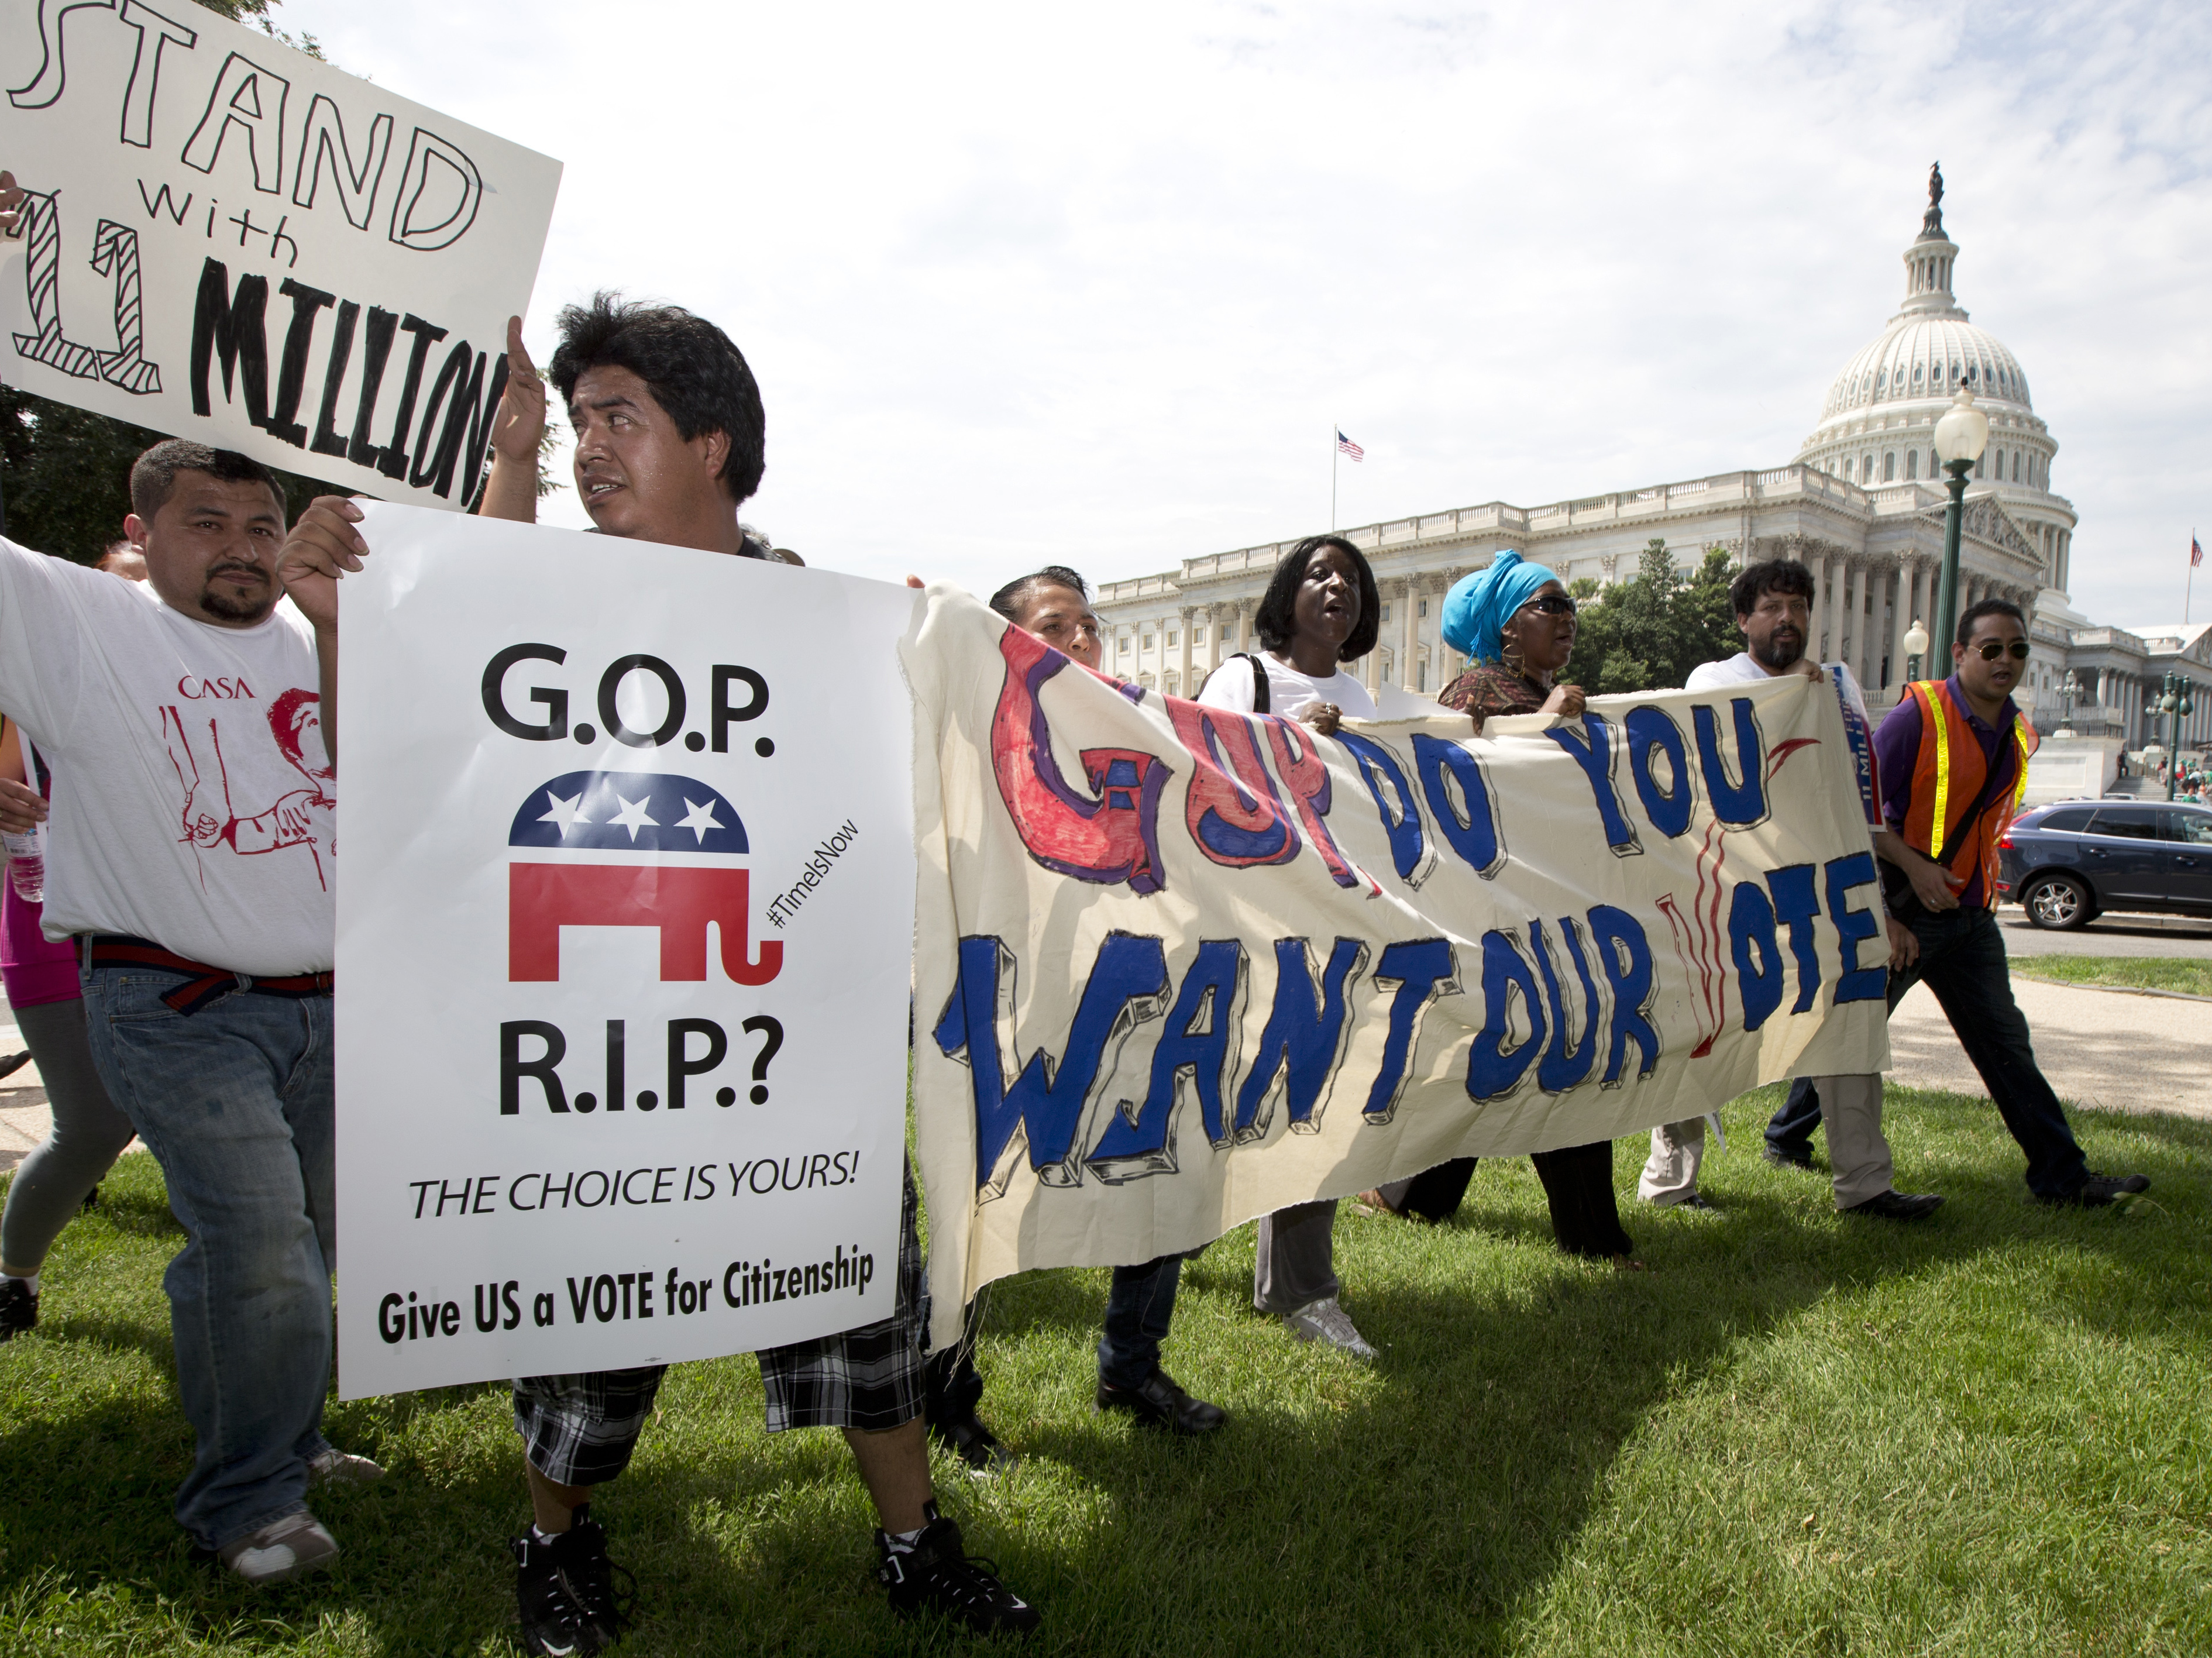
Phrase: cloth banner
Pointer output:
(623, 935)
(1178, 967)
(231, 241)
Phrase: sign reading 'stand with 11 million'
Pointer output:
(231, 241)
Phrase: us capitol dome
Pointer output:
(1878, 422)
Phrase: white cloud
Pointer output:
(1025, 285)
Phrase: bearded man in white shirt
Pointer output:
(1772, 602)
(196, 872)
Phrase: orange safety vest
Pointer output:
(1948, 776)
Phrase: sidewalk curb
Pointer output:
(2122, 990)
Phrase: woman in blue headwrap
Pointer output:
(1516, 622)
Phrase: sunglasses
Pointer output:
(1992, 649)
(1551, 604)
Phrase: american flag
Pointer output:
(2196, 550)
(1346, 445)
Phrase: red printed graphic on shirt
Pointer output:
(210, 818)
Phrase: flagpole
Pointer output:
(1332, 477)
(2191, 583)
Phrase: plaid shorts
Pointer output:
(580, 1429)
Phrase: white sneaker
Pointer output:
(1324, 1320)
(282, 1550)
(338, 1468)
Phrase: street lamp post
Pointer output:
(1960, 436)
(1916, 647)
(2174, 705)
(2068, 690)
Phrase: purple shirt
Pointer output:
(1897, 757)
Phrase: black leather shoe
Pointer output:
(1899, 1206)
(1162, 1403)
(975, 1444)
(1792, 1156)
(2099, 1191)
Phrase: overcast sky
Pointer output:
(1090, 285)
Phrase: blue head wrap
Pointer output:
(1479, 606)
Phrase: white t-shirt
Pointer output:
(1289, 693)
(193, 802)
(1744, 666)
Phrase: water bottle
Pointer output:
(27, 863)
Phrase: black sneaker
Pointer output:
(2098, 1191)
(972, 1440)
(19, 1307)
(938, 1575)
(1899, 1206)
(565, 1588)
(1787, 1157)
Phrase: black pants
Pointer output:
(1962, 958)
(1577, 1180)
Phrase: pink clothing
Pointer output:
(31, 970)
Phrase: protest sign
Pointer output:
(1178, 967)
(230, 241)
(625, 922)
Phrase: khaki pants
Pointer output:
(1851, 1109)
(1858, 1155)
(1670, 1173)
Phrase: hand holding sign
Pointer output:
(511, 490)
(322, 545)
(519, 425)
(1566, 700)
(11, 204)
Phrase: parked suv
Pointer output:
(2067, 863)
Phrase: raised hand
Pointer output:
(519, 425)
(323, 546)
(1566, 700)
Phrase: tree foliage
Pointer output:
(1647, 632)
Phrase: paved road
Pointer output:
(2110, 935)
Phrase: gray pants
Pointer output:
(88, 1134)
(1295, 1262)
(1670, 1173)
(1858, 1155)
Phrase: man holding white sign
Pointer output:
(669, 442)
(191, 854)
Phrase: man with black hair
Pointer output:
(178, 716)
(1772, 601)
(669, 438)
(1953, 756)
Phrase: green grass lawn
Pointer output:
(1798, 1433)
(2190, 975)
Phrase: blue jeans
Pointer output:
(1137, 1310)
(1962, 957)
(235, 1103)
